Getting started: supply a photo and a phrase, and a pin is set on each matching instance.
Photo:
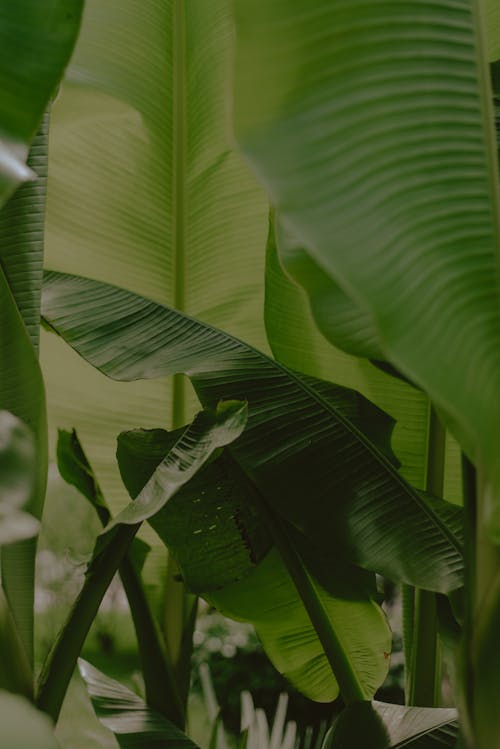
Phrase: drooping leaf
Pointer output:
(371, 130)
(214, 532)
(24, 727)
(296, 342)
(210, 430)
(268, 599)
(293, 431)
(36, 42)
(17, 472)
(383, 726)
(133, 723)
(341, 320)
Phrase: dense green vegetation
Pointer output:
(250, 309)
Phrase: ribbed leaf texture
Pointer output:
(371, 128)
(310, 461)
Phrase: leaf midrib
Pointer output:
(303, 385)
(179, 188)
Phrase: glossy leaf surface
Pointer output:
(293, 430)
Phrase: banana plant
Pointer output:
(385, 115)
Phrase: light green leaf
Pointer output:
(268, 599)
(134, 724)
(492, 23)
(146, 191)
(17, 471)
(372, 132)
(23, 727)
(383, 726)
(293, 432)
(36, 42)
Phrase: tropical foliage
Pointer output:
(347, 366)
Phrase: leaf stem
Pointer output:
(351, 688)
(59, 666)
(424, 681)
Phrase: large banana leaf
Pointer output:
(133, 723)
(213, 529)
(383, 726)
(35, 44)
(372, 131)
(268, 599)
(492, 18)
(145, 191)
(295, 431)
(296, 342)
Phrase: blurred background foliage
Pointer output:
(231, 649)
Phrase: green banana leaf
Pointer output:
(133, 723)
(146, 191)
(210, 430)
(36, 42)
(295, 341)
(294, 431)
(372, 131)
(492, 23)
(267, 598)
(213, 530)
(17, 471)
(24, 727)
(383, 726)
(215, 517)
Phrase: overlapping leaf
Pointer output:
(134, 724)
(35, 45)
(218, 537)
(268, 599)
(357, 500)
(146, 191)
(383, 726)
(371, 130)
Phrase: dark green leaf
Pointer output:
(382, 726)
(293, 433)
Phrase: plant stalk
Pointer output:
(59, 666)
(424, 680)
